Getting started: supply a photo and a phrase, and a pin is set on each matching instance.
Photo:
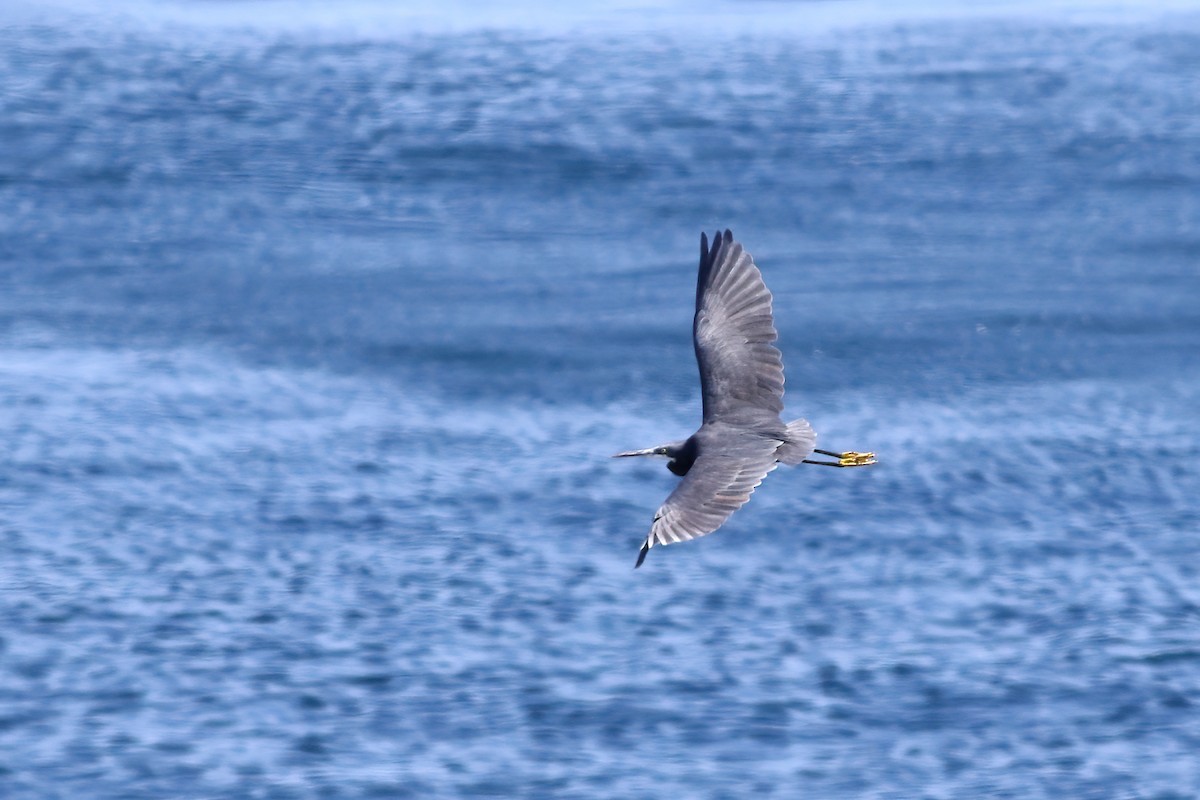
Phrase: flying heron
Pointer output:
(741, 436)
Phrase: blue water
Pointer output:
(316, 333)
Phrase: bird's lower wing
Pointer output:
(716, 486)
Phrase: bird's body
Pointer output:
(742, 436)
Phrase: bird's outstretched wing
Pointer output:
(733, 330)
(719, 483)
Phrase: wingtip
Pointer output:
(710, 253)
(642, 554)
(721, 240)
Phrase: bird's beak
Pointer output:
(647, 452)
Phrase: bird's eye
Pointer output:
(662, 451)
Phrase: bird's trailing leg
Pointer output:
(847, 459)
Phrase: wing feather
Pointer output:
(733, 331)
(718, 484)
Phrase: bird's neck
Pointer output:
(682, 457)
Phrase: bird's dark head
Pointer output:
(681, 455)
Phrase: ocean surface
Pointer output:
(319, 324)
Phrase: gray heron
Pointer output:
(742, 436)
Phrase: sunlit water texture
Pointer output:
(315, 341)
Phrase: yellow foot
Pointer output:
(847, 459)
(853, 459)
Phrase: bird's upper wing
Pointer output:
(720, 482)
(733, 330)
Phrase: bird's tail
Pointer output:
(801, 440)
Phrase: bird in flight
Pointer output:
(741, 436)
